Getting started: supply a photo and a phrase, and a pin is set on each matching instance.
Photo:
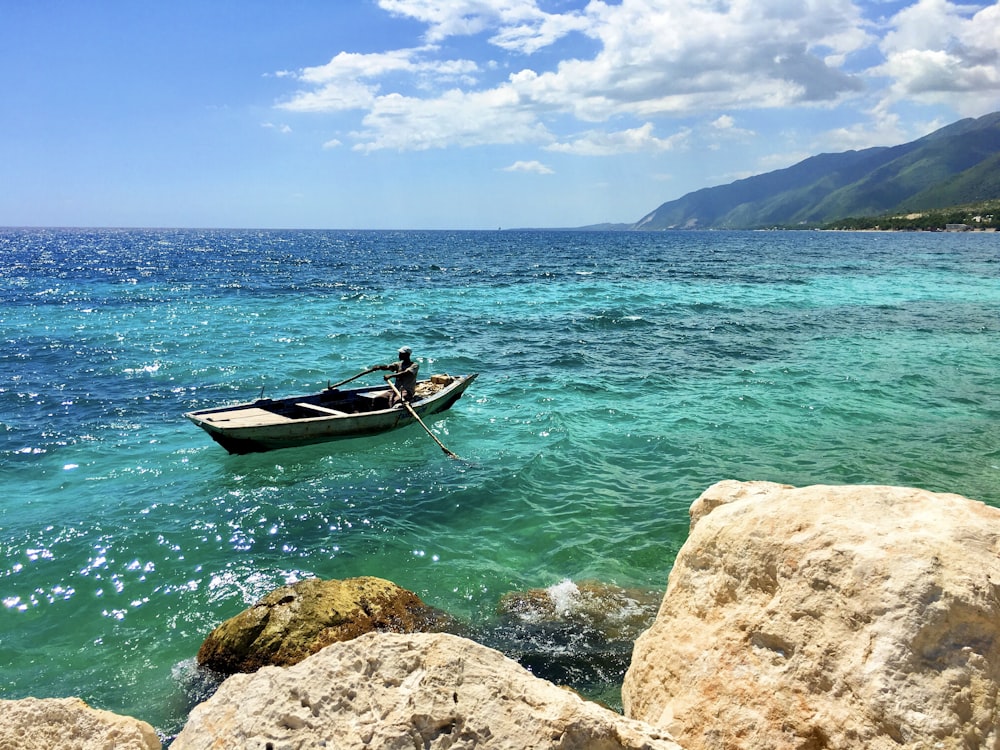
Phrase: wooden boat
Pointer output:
(331, 414)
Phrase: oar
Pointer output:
(417, 417)
(354, 377)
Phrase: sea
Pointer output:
(621, 374)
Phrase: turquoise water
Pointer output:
(620, 376)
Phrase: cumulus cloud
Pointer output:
(634, 62)
(600, 143)
(519, 25)
(353, 81)
(675, 55)
(940, 51)
(725, 125)
(454, 118)
(535, 167)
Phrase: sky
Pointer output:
(455, 114)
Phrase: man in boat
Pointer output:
(405, 373)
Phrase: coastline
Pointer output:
(838, 648)
(622, 373)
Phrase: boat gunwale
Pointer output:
(281, 422)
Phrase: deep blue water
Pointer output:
(621, 374)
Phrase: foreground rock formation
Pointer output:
(293, 622)
(70, 724)
(827, 617)
(794, 619)
(398, 692)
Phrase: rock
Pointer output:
(840, 617)
(295, 621)
(578, 634)
(70, 724)
(398, 692)
(617, 613)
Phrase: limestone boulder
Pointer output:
(295, 621)
(398, 692)
(827, 617)
(70, 724)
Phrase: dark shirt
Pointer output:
(406, 379)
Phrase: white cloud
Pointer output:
(283, 129)
(533, 36)
(351, 80)
(535, 167)
(599, 143)
(677, 56)
(938, 51)
(454, 118)
(455, 18)
(333, 97)
(643, 60)
(725, 125)
(520, 24)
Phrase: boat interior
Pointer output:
(332, 402)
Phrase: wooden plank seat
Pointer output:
(322, 409)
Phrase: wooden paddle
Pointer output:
(417, 417)
(354, 377)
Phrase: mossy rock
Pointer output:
(295, 621)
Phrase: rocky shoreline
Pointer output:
(806, 618)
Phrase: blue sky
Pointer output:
(455, 114)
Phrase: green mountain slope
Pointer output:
(956, 164)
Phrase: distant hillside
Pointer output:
(957, 164)
(977, 216)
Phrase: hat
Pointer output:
(405, 350)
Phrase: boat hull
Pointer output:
(268, 425)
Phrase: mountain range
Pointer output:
(957, 164)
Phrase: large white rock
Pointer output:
(827, 617)
(399, 692)
(70, 724)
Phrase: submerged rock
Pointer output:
(70, 724)
(295, 621)
(616, 613)
(578, 634)
(815, 617)
(430, 691)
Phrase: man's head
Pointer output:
(404, 353)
